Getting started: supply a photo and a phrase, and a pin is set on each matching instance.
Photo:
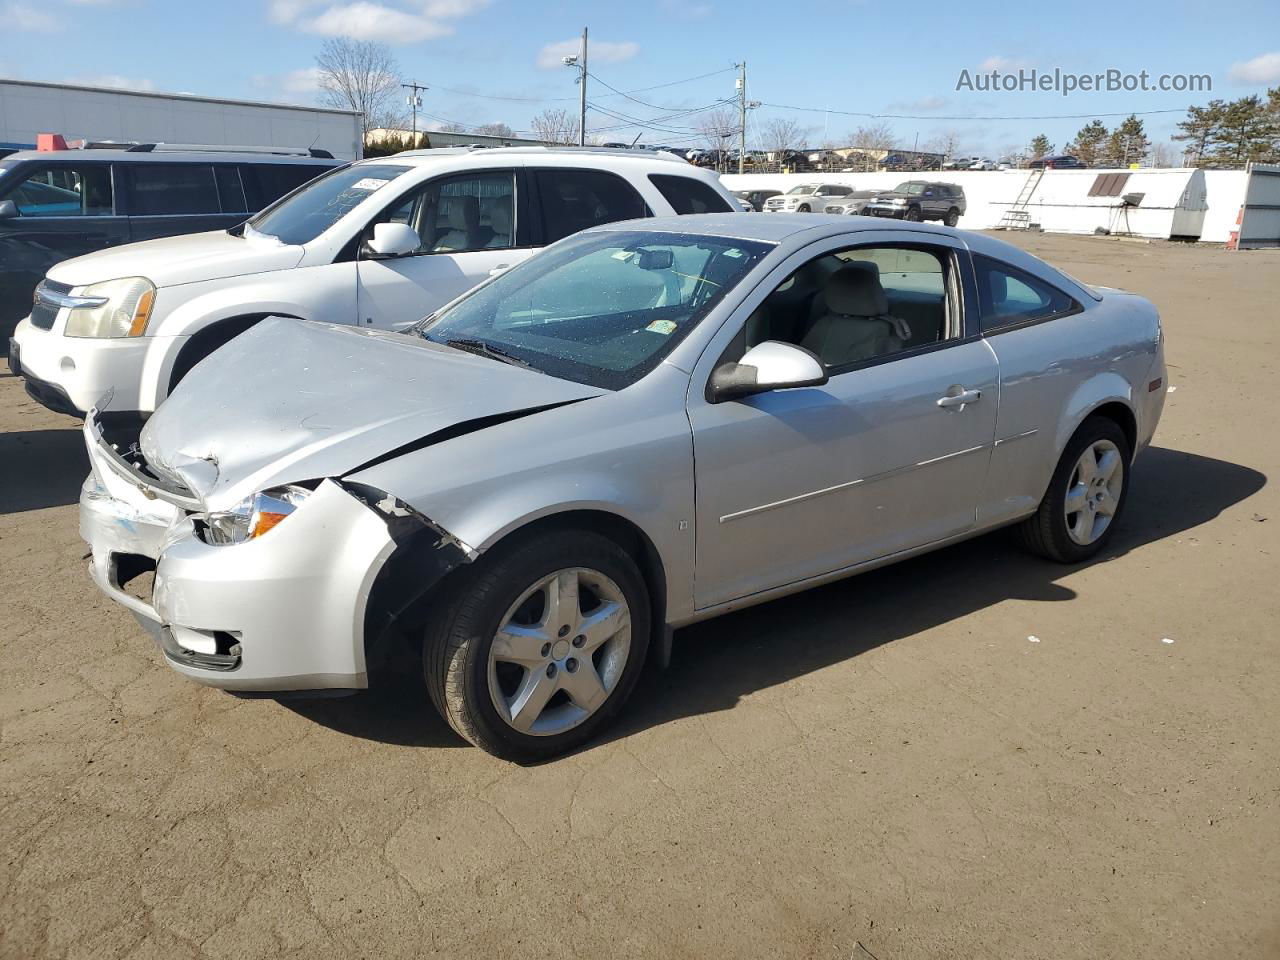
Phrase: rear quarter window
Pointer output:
(1009, 297)
(687, 195)
(265, 183)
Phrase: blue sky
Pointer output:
(850, 55)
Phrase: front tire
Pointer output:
(1086, 495)
(803, 208)
(538, 647)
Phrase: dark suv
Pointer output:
(920, 200)
(59, 204)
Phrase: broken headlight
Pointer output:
(254, 516)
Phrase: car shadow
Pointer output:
(719, 661)
(394, 710)
(41, 468)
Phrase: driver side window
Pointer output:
(859, 305)
(460, 214)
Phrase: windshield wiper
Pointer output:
(482, 349)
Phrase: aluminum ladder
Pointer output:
(1017, 217)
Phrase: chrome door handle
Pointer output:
(503, 268)
(959, 397)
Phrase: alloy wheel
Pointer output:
(1093, 492)
(560, 651)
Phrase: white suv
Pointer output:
(379, 243)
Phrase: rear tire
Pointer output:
(557, 676)
(1097, 493)
(952, 217)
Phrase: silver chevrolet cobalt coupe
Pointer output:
(647, 424)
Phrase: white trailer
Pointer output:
(99, 114)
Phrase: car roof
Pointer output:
(166, 156)
(419, 157)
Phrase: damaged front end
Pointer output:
(296, 592)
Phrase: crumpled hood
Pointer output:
(293, 400)
(174, 260)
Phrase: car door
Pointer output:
(469, 227)
(890, 454)
(61, 210)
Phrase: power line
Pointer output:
(622, 93)
(910, 116)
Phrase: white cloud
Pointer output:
(551, 56)
(24, 16)
(304, 80)
(1258, 71)
(401, 23)
(113, 80)
(1003, 64)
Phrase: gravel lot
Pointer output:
(972, 754)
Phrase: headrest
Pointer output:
(854, 290)
(500, 215)
(463, 213)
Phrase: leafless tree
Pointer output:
(556, 126)
(359, 75)
(495, 130)
(1162, 155)
(718, 127)
(780, 134)
(874, 136)
(453, 126)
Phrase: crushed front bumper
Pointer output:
(283, 612)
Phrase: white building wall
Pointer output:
(28, 109)
(1179, 202)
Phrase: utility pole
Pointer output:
(415, 101)
(743, 106)
(580, 61)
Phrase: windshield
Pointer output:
(600, 308)
(912, 187)
(804, 188)
(303, 216)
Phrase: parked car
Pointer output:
(806, 198)
(920, 200)
(959, 163)
(645, 425)
(984, 164)
(756, 198)
(380, 243)
(59, 204)
(854, 202)
(1058, 162)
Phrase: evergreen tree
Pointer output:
(1088, 144)
(1039, 147)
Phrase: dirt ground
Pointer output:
(972, 754)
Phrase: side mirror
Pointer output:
(393, 240)
(771, 365)
(8, 209)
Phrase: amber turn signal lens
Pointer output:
(142, 313)
(263, 521)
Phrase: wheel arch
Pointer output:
(209, 337)
(1107, 394)
(400, 574)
